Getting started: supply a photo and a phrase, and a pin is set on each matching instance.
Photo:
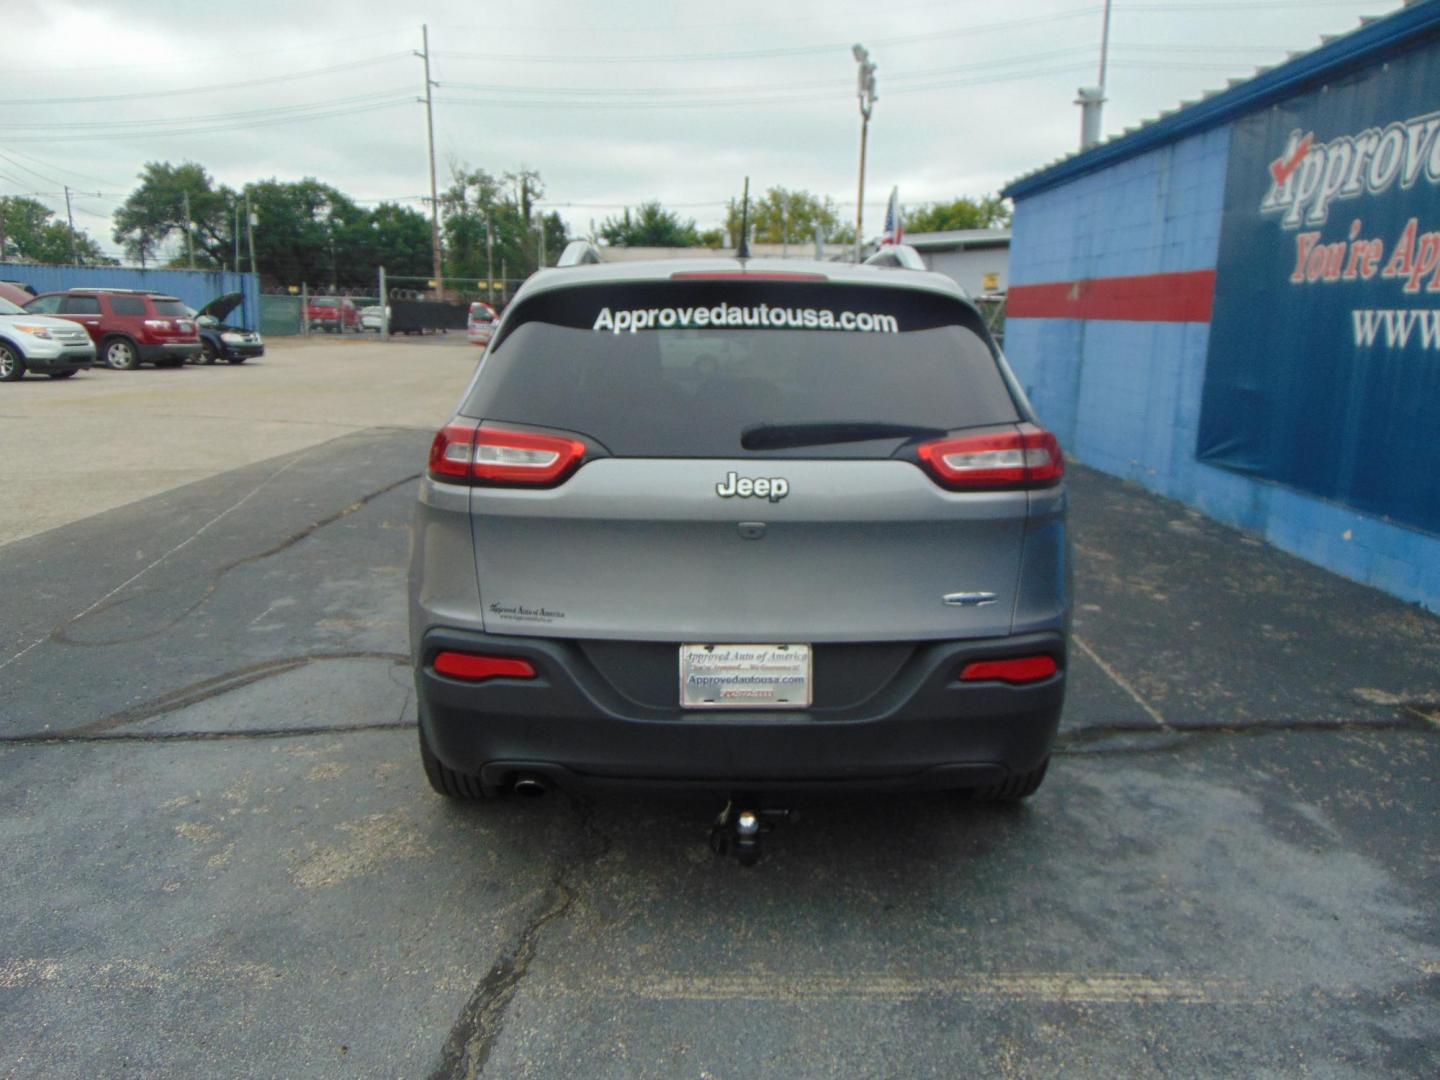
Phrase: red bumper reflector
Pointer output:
(1022, 670)
(479, 668)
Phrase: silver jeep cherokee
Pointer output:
(740, 525)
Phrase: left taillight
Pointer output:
(465, 453)
(471, 667)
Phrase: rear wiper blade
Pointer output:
(818, 433)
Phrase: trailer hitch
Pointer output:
(739, 828)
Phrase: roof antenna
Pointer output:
(742, 249)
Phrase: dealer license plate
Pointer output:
(744, 676)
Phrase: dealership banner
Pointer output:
(1324, 365)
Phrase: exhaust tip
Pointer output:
(530, 787)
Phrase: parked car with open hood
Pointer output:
(41, 345)
(220, 340)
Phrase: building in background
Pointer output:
(1238, 304)
(979, 259)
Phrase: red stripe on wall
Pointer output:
(1182, 297)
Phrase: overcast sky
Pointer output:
(612, 103)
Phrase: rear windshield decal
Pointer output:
(760, 315)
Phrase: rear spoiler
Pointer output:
(579, 253)
(899, 256)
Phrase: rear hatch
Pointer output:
(174, 321)
(751, 466)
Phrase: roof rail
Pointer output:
(902, 256)
(579, 253)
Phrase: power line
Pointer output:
(827, 84)
(32, 172)
(209, 59)
(353, 65)
(61, 168)
(157, 122)
(754, 99)
(763, 54)
(905, 39)
(111, 135)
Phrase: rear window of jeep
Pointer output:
(682, 369)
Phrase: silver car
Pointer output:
(740, 525)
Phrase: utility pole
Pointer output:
(237, 236)
(70, 217)
(540, 225)
(384, 308)
(867, 96)
(489, 262)
(785, 225)
(189, 234)
(430, 136)
(250, 231)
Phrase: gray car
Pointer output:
(740, 525)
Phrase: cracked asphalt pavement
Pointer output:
(221, 857)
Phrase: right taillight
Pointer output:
(1017, 670)
(1028, 457)
(464, 453)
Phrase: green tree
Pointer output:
(29, 231)
(400, 240)
(989, 212)
(155, 213)
(789, 215)
(476, 201)
(650, 226)
(310, 232)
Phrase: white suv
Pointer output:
(38, 343)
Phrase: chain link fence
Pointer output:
(415, 305)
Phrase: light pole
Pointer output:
(865, 90)
(1091, 99)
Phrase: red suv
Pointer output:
(129, 328)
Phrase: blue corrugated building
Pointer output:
(1237, 305)
(195, 287)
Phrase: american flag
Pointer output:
(894, 224)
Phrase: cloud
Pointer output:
(971, 95)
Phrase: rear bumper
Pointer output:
(921, 729)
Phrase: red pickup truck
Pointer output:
(332, 314)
